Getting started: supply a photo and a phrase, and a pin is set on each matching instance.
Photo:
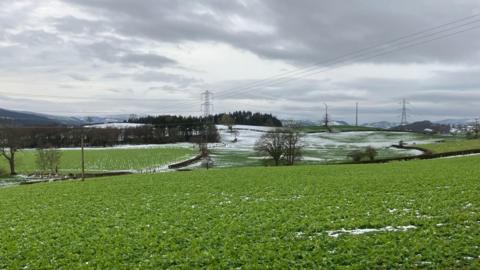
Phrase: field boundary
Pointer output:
(421, 157)
(424, 150)
(185, 163)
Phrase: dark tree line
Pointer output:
(43, 137)
(191, 124)
(180, 128)
(251, 119)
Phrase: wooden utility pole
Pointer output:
(477, 127)
(82, 141)
(206, 143)
(356, 114)
(326, 120)
(404, 120)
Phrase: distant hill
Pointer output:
(105, 119)
(25, 118)
(38, 119)
(35, 119)
(424, 126)
(462, 121)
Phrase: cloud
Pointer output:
(148, 60)
(79, 77)
(173, 50)
(109, 52)
(156, 76)
(79, 26)
(300, 32)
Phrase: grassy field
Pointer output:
(452, 145)
(403, 215)
(105, 159)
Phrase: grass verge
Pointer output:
(452, 145)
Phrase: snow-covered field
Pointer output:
(129, 146)
(116, 125)
(318, 147)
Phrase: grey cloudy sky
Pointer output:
(84, 57)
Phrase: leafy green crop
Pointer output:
(106, 159)
(418, 214)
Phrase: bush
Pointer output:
(371, 153)
(356, 155)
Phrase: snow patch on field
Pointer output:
(129, 146)
(375, 139)
(260, 158)
(132, 146)
(337, 233)
(313, 159)
(319, 147)
(246, 127)
(116, 125)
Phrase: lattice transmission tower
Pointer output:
(207, 109)
(404, 120)
(207, 104)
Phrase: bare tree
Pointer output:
(271, 144)
(235, 132)
(476, 128)
(281, 145)
(228, 121)
(11, 141)
(292, 146)
(48, 160)
(41, 160)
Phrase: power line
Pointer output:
(377, 45)
(365, 56)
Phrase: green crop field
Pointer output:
(105, 159)
(402, 215)
(453, 145)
